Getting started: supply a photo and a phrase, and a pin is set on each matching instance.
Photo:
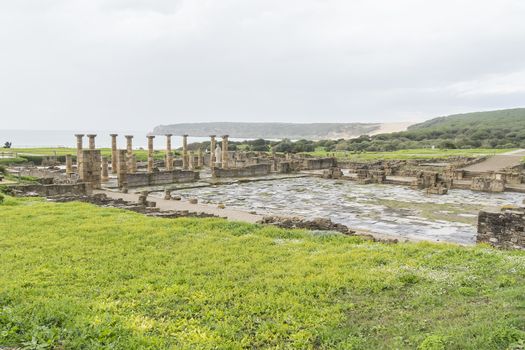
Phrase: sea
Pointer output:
(66, 138)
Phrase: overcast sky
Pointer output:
(134, 64)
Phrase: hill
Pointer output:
(294, 131)
(500, 119)
(491, 129)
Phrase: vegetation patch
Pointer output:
(36, 154)
(73, 276)
(406, 154)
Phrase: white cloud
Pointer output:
(147, 62)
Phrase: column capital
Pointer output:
(225, 136)
(91, 135)
(113, 135)
(79, 135)
(213, 135)
(168, 135)
(128, 136)
(150, 136)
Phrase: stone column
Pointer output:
(69, 165)
(79, 146)
(113, 153)
(200, 161)
(129, 144)
(185, 152)
(150, 153)
(105, 176)
(190, 160)
(122, 170)
(213, 144)
(169, 155)
(91, 138)
(225, 151)
(132, 168)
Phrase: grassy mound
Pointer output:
(78, 276)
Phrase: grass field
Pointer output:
(62, 151)
(422, 153)
(76, 276)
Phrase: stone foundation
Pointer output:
(161, 178)
(78, 189)
(487, 184)
(332, 173)
(247, 171)
(432, 182)
(318, 163)
(502, 229)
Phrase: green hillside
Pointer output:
(506, 118)
(492, 129)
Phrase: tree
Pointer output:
(7, 144)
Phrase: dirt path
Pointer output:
(498, 162)
(519, 152)
(162, 204)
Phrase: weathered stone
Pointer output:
(225, 151)
(114, 155)
(105, 175)
(433, 182)
(185, 164)
(193, 200)
(91, 140)
(504, 229)
(122, 170)
(212, 151)
(69, 165)
(89, 169)
(487, 184)
(150, 153)
(247, 171)
(332, 173)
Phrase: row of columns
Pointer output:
(131, 163)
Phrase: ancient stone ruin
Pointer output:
(503, 229)
(432, 182)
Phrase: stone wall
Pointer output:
(432, 182)
(90, 167)
(487, 184)
(332, 173)
(318, 163)
(247, 171)
(53, 189)
(161, 178)
(502, 229)
(58, 175)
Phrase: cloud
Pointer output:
(137, 63)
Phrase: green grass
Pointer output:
(9, 161)
(76, 276)
(62, 151)
(421, 153)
